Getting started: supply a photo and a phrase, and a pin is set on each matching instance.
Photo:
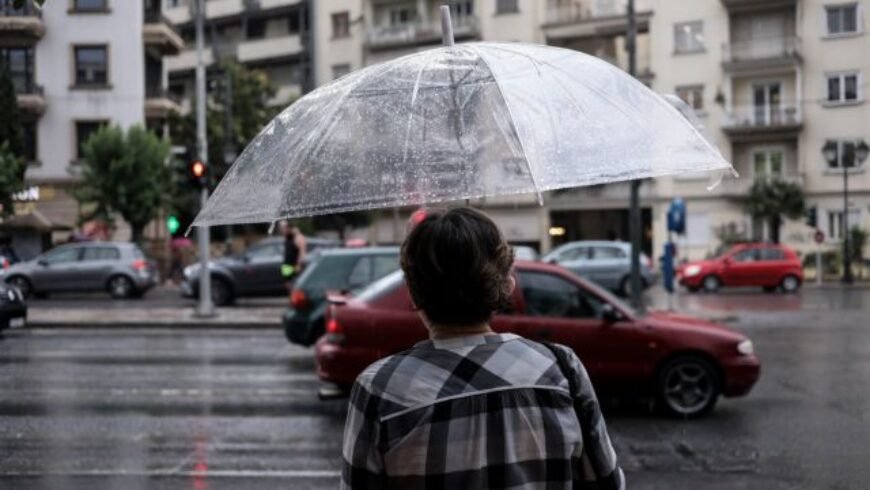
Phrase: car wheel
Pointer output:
(688, 387)
(790, 284)
(625, 286)
(711, 284)
(221, 294)
(121, 287)
(23, 285)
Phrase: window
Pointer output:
(767, 164)
(92, 66)
(576, 253)
(835, 222)
(843, 87)
(84, 130)
(267, 251)
(692, 95)
(401, 16)
(62, 255)
(506, 6)
(842, 19)
(772, 254)
(384, 264)
(90, 6)
(28, 133)
(845, 155)
(341, 25)
(339, 71)
(551, 296)
(101, 253)
(361, 274)
(462, 8)
(748, 255)
(689, 37)
(607, 253)
(256, 28)
(19, 63)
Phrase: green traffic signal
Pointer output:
(172, 224)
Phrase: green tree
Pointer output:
(11, 178)
(127, 174)
(857, 242)
(772, 200)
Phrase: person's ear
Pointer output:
(512, 284)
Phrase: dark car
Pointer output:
(765, 265)
(13, 309)
(120, 268)
(334, 270)
(684, 362)
(255, 272)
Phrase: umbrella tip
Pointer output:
(446, 26)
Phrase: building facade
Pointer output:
(773, 82)
(77, 65)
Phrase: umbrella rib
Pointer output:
(516, 130)
(411, 112)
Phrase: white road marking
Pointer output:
(174, 472)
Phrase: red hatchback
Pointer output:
(765, 265)
(686, 363)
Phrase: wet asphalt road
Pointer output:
(205, 409)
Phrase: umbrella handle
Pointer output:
(446, 26)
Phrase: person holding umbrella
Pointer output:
(471, 408)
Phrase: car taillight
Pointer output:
(299, 299)
(334, 332)
(140, 265)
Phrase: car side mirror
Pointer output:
(610, 314)
(553, 261)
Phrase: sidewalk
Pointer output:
(260, 317)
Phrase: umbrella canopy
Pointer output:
(458, 122)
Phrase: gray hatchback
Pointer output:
(119, 268)
(604, 262)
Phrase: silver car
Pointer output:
(606, 263)
(119, 268)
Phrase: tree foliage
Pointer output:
(772, 200)
(11, 178)
(127, 174)
(10, 122)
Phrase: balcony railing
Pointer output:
(152, 92)
(740, 186)
(763, 117)
(581, 11)
(767, 48)
(7, 9)
(412, 33)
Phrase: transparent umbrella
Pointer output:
(458, 122)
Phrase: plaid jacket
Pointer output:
(485, 411)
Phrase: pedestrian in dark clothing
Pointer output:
(295, 249)
(471, 408)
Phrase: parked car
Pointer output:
(255, 272)
(605, 263)
(13, 309)
(766, 265)
(120, 268)
(524, 252)
(684, 362)
(335, 270)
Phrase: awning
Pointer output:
(33, 220)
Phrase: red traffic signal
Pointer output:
(198, 172)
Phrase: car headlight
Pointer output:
(745, 347)
(693, 270)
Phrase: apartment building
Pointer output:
(77, 65)
(774, 81)
(270, 35)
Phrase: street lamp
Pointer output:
(831, 153)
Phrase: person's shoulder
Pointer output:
(375, 378)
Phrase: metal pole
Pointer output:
(818, 263)
(229, 145)
(446, 26)
(205, 307)
(634, 222)
(847, 260)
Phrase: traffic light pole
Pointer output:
(205, 307)
(634, 221)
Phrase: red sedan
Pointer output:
(766, 265)
(686, 363)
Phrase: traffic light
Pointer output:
(172, 224)
(198, 173)
(810, 217)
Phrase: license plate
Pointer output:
(16, 322)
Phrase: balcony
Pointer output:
(159, 103)
(31, 99)
(761, 53)
(751, 5)
(158, 34)
(759, 123)
(186, 60)
(19, 24)
(270, 48)
(227, 9)
(739, 187)
(414, 34)
(590, 20)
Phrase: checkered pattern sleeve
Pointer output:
(599, 468)
(363, 466)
